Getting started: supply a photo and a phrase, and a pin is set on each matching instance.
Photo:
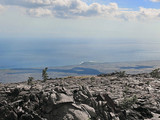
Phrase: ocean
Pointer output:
(31, 53)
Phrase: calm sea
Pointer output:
(59, 52)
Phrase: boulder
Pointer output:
(90, 110)
(26, 117)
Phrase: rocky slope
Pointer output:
(103, 97)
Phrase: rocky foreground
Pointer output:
(103, 97)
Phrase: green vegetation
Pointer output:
(92, 78)
(44, 74)
(116, 73)
(155, 73)
(30, 80)
(121, 73)
(128, 102)
(126, 89)
(148, 82)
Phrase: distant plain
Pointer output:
(85, 68)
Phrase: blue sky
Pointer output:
(133, 4)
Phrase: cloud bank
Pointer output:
(1, 8)
(78, 9)
(155, 0)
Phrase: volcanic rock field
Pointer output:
(113, 96)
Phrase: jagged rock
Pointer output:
(62, 98)
(34, 98)
(24, 87)
(79, 96)
(55, 99)
(7, 113)
(15, 92)
(132, 115)
(146, 113)
(67, 110)
(98, 99)
(61, 90)
(68, 117)
(90, 110)
(12, 116)
(2, 103)
(26, 117)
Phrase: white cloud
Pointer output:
(64, 8)
(149, 13)
(1, 8)
(39, 12)
(142, 14)
(78, 8)
(155, 0)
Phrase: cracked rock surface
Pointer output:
(103, 97)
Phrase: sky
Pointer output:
(78, 29)
(92, 19)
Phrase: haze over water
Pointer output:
(40, 33)
(29, 53)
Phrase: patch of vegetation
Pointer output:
(148, 82)
(116, 73)
(126, 90)
(68, 77)
(128, 102)
(121, 73)
(155, 73)
(30, 80)
(44, 74)
(92, 78)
